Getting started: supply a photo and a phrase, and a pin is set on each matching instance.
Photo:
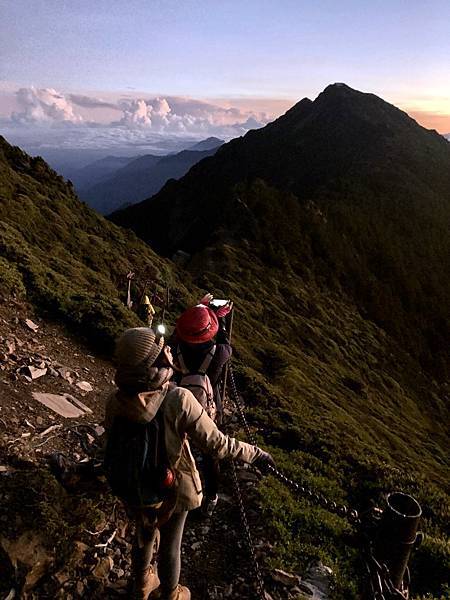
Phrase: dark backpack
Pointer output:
(135, 462)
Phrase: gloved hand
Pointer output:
(206, 299)
(223, 311)
(263, 462)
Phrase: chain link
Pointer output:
(381, 585)
(259, 581)
(319, 499)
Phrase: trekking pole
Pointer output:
(226, 369)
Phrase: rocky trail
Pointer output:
(75, 543)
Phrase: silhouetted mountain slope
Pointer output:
(370, 213)
(143, 177)
(98, 170)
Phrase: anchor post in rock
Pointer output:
(397, 535)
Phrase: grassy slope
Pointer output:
(71, 261)
(340, 403)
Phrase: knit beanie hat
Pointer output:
(136, 351)
(197, 325)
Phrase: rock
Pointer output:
(99, 431)
(318, 579)
(28, 550)
(62, 577)
(53, 372)
(288, 579)
(61, 404)
(80, 588)
(65, 374)
(196, 545)
(29, 323)
(80, 549)
(85, 386)
(78, 403)
(305, 589)
(103, 567)
(35, 373)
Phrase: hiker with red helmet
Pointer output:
(202, 351)
(148, 405)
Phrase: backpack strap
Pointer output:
(181, 362)
(207, 361)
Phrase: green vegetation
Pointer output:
(71, 262)
(342, 407)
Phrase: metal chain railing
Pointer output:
(298, 488)
(259, 581)
(381, 585)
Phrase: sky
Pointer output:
(114, 72)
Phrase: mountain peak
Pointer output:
(340, 88)
(207, 144)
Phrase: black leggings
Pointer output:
(211, 474)
(171, 535)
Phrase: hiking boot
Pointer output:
(181, 592)
(145, 584)
(209, 506)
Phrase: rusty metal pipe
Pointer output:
(397, 534)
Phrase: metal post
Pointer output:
(225, 373)
(397, 534)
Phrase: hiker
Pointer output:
(145, 397)
(202, 351)
(146, 312)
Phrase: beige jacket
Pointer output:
(183, 418)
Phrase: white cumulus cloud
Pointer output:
(43, 105)
(154, 113)
(185, 115)
(77, 119)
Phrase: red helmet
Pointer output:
(197, 325)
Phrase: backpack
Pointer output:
(199, 383)
(136, 464)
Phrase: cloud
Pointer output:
(185, 115)
(89, 102)
(44, 105)
(70, 119)
(148, 113)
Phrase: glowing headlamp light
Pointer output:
(161, 329)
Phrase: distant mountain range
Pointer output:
(99, 170)
(112, 182)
